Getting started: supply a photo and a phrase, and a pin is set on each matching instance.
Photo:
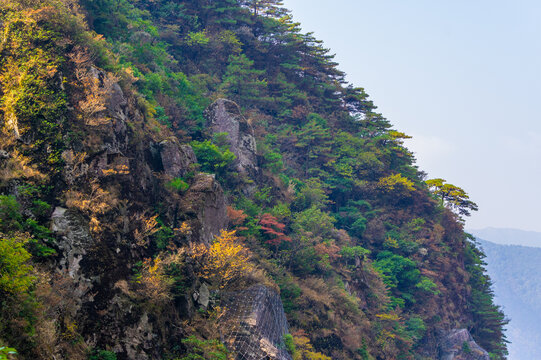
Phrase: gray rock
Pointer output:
(176, 159)
(204, 296)
(73, 240)
(74, 237)
(205, 202)
(225, 116)
(458, 344)
(139, 338)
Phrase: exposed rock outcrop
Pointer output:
(224, 116)
(458, 344)
(205, 203)
(254, 324)
(176, 159)
(73, 241)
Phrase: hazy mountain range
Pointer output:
(508, 236)
(515, 271)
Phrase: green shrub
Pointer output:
(427, 285)
(290, 344)
(213, 159)
(178, 184)
(204, 349)
(10, 216)
(415, 328)
(6, 351)
(15, 272)
(102, 355)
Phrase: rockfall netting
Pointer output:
(254, 324)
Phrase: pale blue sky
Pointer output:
(462, 77)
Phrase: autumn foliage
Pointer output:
(274, 230)
(224, 262)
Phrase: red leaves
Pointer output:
(274, 229)
(237, 217)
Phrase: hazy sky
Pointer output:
(462, 77)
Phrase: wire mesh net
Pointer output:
(254, 324)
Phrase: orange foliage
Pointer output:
(331, 250)
(236, 217)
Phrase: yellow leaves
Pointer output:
(304, 349)
(395, 184)
(156, 285)
(390, 243)
(184, 229)
(18, 166)
(384, 336)
(96, 202)
(96, 90)
(225, 261)
(148, 227)
(388, 317)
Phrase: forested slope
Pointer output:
(153, 151)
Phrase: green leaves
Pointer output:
(15, 272)
(213, 159)
(242, 83)
(6, 351)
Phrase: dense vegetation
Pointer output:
(370, 260)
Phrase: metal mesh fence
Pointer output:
(254, 324)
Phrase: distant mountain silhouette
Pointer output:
(505, 236)
(515, 272)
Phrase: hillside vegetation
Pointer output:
(121, 197)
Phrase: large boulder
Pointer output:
(176, 159)
(224, 116)
(254, 324)
(204, 202)
(458, 344)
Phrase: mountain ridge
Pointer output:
(158, 156)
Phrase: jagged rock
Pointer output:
(203, 298)
(114, 133)
(458, 344)
(225, 116)
(205, 202)
(254, 324)
(176, 159)
(138, 338)
(73, 240)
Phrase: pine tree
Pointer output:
(243, 83)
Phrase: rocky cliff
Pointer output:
(195, 180)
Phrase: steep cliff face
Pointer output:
(458, 344)
(184, 179)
